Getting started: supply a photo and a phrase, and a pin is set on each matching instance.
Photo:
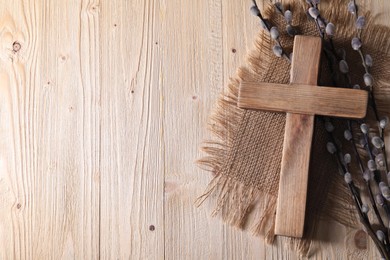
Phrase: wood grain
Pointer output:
(91, 111)
(132, 168)
(304, 99)
(298, 135)
(48, 110)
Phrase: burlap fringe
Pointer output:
(236, 201)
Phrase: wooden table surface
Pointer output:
(102, 107)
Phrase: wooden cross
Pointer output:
(301, 100)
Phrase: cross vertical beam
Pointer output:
(291, 203)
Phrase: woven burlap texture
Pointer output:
(245, 155)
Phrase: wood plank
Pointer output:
(294, 175)
(304, 99)
(49, 131)
(132, 147)
(188, 232)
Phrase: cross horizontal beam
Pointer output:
(304, 99)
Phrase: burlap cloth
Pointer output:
(245, 154)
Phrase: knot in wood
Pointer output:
(16, 46)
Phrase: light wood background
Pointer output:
(101, 114)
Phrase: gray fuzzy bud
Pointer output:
(360, 22)
(255, 10)
(278, 51)
(384, 190)
(365, 208)
(321, 23)
(380, 160)
(274, 33)
(331, 147)
(368, 60)
(376, 151)
(377, 142)
(352, 7)
(348, 177)
(383, 122)
(291, 30)
(367, 175)
(288, 16)
(316, 2)
(314, 13)
(329, 126)
(364, 128)
(347, 158)
(379, 199)
(356, 86)
(356, 43)
(362, 142)
(330, 29)
(368, 80)
(380, 235)
(371, 165)
(343, 66)
(347, 135)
